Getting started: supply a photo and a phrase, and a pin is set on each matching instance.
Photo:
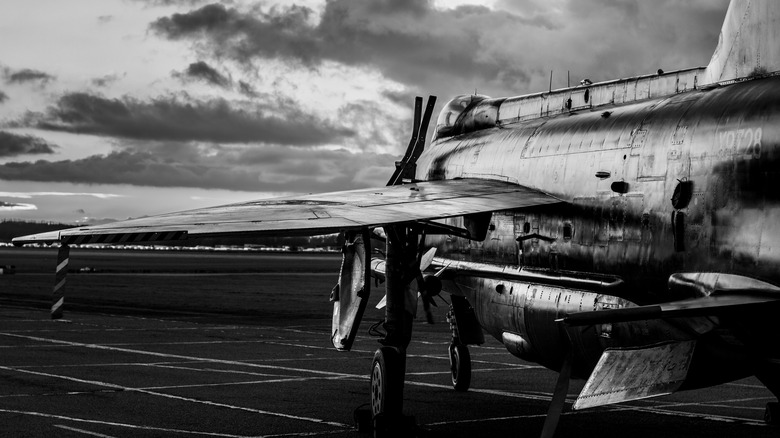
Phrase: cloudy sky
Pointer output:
(112, 109)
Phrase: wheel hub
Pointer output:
(376, 390)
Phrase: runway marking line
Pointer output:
(250, 382)
(715, 403)
(85, 432)
(152, 428)
(545, 398)
(660, 409)
(180, 398)
(208, 370)
(712, 417)
(475, 370)
(480, 420)
(172, 356)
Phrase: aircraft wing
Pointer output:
(311, 214)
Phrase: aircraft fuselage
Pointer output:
(622, 231)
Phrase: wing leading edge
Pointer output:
(312, 214)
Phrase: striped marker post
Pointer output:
(58, 298)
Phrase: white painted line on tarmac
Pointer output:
(125, 425)
(209, 370)
(85, 432)
(311, 347)
(675, 413)
(658, 409)
(251, 382)
(230, 362)
(172, 356)
(481, 420)
(525, 395)
(514, 365)
(474, 370)
(745, 385)
(103, 328)
(714, 403)
(540, 397)
(180, 398)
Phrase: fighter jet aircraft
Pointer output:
(624, 232)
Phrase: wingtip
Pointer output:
(48, 237)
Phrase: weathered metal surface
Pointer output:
(724, 141)
(522, 315)
(324, 213)
(636, 373)
(586, 97)
(748, 41)
(351, 295)
(713, 306)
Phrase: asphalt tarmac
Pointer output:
(119, 371)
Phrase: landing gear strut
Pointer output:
(389, 364)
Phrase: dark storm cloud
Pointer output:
(3, 97)
(202, 71)
(105, 81)
(12, 145)
(247, 89)
(125, 167)
(408, 41)
(607, 39)
(506, 50)
(26, 75)
(172, 2)
(172, 118)
(249, 169)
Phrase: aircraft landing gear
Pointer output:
(389, 365)
(460, 366)
(387, 377)
(465, 330)
(772, 413)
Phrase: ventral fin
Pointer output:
(636, 373)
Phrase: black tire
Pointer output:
(387, 377)
(460, 367)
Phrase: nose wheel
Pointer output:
(460, 367)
